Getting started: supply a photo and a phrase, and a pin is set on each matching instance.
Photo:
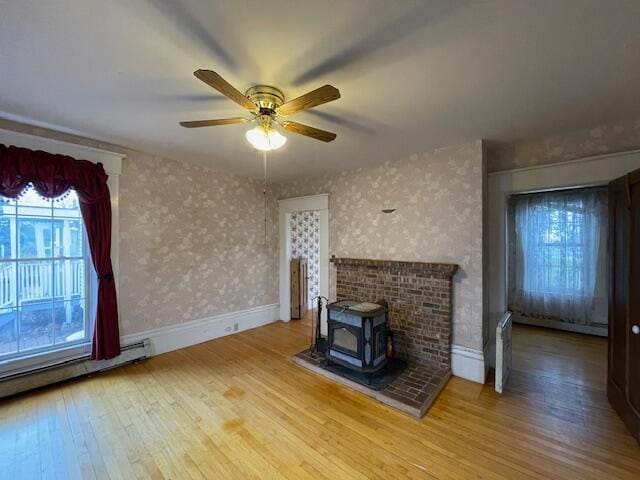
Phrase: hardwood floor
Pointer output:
(237, 407)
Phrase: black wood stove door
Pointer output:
(345, 339)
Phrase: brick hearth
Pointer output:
(413, 392)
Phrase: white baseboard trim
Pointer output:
(174, 337)
(600, 331)
(467, 363)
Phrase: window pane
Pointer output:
(67, 237)
(7, 227)
(34, 237)
(31, 203)
(35, 281)
(7, 284)
(70, 320)
(35, 326)
(67, 205)
(8, 330)
(69, 279)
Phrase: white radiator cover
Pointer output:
(503, 351)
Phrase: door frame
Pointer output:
(583, 172)
(286, 207)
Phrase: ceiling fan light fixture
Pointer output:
(265, 139)
(267, 104)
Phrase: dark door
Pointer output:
(623, 377)
(294, 269)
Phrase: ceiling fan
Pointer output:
(267, 105)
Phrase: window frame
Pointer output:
(36, 138)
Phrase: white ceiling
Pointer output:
(414, 75)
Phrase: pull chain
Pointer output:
(264, 193)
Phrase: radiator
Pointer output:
(503, 351)
(48, 374)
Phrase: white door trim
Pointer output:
(286, 207)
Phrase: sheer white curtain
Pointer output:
(560, 255)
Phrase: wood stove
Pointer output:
(357, 335)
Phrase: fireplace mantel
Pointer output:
(442, 270)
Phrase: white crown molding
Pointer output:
(174, 337)
(592, 158)
(112, 161)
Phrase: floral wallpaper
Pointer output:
(192, 240)
(305, 243)
(438, 200)
(192, 244)
(618, 137)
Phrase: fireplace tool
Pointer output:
(319, 344)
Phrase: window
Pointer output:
(44, 263)
(558, 248)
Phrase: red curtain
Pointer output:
(52, 175)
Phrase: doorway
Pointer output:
(570, 381)
(297, 214)
(305, 252)
(501, 186)
(557, 293)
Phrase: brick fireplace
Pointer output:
(419, 297)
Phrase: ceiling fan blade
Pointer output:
(308, 131)
(213, 123)
(220, 84)
(312, 99)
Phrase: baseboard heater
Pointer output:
(504, 331)
(48, 374)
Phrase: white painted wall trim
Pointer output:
(112, 161)
(302, 204)
(467, 363)
(591, 158)
(286, 207)
(600, 331)
(174, 337)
